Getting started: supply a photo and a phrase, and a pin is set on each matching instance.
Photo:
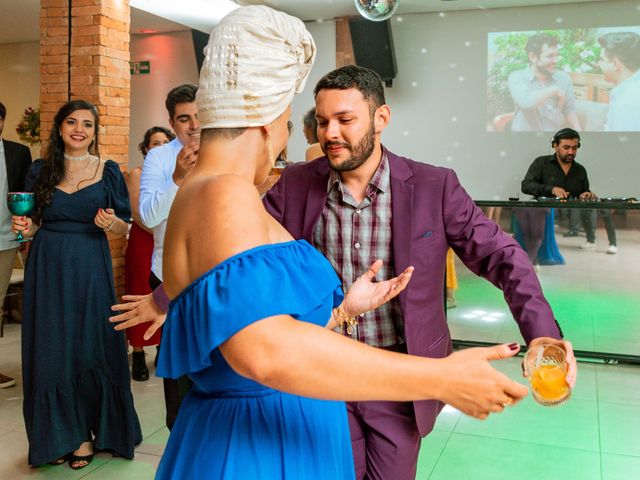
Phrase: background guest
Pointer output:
(163, 171)
(310, 127)
(15, 160)
(452, 279)
(77, 390)
(137, 265)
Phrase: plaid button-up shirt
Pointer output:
(352, 236)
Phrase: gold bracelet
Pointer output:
(108, 229)
(342, 318)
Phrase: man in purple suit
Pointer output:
(362, 202)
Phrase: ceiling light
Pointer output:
(198, 14)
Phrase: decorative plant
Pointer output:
(28, 128)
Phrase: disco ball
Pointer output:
(377, 10)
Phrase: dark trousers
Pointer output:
(384, 438)
(590, 219)
(575, 216)
(174, 390)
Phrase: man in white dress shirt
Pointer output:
(620, 64)
(15, 160)
(162, 173)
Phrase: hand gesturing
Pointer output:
(365, 294)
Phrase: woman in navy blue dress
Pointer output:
(77, 394)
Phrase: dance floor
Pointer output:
(594, 297)
(593, 436)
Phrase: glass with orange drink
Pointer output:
(546, 367)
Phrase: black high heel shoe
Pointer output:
(139, 370)
(76, 458)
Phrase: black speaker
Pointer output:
(373, 47)
(200, 40)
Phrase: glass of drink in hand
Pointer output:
(546, 367)
(21, 203)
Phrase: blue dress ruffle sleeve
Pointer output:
(229, 426)
(290, 278)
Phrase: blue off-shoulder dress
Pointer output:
(74, 364)
(230, 427)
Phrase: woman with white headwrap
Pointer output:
(249, 301)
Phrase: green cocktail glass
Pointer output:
(20, 204)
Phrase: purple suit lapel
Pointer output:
(401, 210)
(316, 199)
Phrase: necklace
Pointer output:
(76, 159)
(74, 179)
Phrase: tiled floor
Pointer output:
(594, 297)
(596, 435)
(149, 402)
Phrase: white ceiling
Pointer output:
(326, 9)
(19, 21)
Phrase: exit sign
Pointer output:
(140, 68)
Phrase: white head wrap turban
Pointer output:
(257, 59)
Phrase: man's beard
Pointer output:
(545, 71)
(359, 154)
(565, 158)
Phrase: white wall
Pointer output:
(173, 63)
(324, 34)
(19, 85)
(438, 98)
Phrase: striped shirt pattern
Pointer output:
(352, 236)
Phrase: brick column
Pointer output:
(94, 66)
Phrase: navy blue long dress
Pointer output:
(74, 365)
(230, 427)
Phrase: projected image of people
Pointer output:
(620, 65)
(586, 79)
(543, 97)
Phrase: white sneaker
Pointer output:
(612, 249)
(588, 245)
(536, 267)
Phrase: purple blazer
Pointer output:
(431, 211)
